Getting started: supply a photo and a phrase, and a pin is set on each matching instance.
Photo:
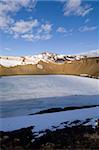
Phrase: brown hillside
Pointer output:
(88, 66)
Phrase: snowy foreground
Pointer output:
(47, 121)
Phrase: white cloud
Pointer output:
(86, 28)
(24, 26)
(7, 7)
(5, 22)
(66, 32)
(15, 5)
(8, 49)
(42, 32)
(31, 37)
(46, 37)
(87, 20)
(46, 27)
(74, 7)
(61, 30)
(28, 37)
(29, 30)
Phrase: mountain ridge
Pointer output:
(46, 56)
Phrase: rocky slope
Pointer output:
(50, 63)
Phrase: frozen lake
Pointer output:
(21, 95)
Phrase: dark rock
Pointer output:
(78, 137)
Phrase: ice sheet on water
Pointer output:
(21, 95)
(32, 87)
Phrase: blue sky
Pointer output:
(30, 27)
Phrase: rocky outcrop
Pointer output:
(78, 136)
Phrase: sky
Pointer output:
(29, 27)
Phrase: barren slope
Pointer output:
(83, 66)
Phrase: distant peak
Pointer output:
(47, 53)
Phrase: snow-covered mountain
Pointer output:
(94, 53)
(8, 61)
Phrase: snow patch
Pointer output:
(39, 66)
(47, 121)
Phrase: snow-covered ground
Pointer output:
(15, 61)
(93, 53)
(10, 61)
(47, 121)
